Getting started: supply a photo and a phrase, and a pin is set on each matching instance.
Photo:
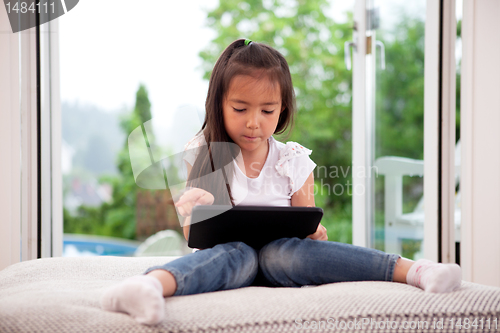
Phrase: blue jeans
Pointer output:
(286, 262)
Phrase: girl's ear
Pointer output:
(282, 108)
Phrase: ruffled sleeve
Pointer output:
(294, 163)
(191, 149)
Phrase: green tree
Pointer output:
(313, 46)
(400, 91)
(116, 218)
(400, 102)
(400, 108)
(120, 217)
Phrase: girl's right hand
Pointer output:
(191, 198)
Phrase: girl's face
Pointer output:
(251, 111)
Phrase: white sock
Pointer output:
(139, 296)
(433, 277)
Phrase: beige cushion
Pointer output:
(62, 295)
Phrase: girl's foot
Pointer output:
(433, 277)
(139, 296)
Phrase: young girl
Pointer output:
(250, 98)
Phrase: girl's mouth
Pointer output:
(251, 138)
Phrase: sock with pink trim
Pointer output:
(434, 277)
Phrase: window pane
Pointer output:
(145, 68)
(123, 65)
(399, 127)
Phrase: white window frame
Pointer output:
(29, 144)
(360, 222)
(10, 142)
(448, 137)
(18, 102)
(30, 223)
(480, 138)
(439, 132)
(51, 137)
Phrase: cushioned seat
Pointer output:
(62, 295)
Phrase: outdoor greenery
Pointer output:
(313, 44)
(116, 218)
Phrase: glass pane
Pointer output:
(147, 78)
(325, 125)
(458, 158)
(399, 127)
(124, 68)
(311, 36)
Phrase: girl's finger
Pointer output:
(194, 197)
(184, 199)
(190, 195)
(205, 199)
(317, 235)
(181, 211)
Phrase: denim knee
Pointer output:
(245, 263)
(277, 263)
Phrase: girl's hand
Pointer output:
(191, 198)
(320, 233)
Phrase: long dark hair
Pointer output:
(215, 159)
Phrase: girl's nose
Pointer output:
(253, 121)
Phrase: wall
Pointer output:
(10, 119)
(480, 132)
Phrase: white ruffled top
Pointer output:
(285, 165)
(285, 171)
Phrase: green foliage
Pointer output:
(313, 46)
(313, 43)
(336, 220)
(118, 217)
(400, 91)
(400, 102)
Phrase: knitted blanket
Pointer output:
(62, 295)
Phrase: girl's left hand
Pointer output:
(320, 233)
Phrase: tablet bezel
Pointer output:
(256, 225)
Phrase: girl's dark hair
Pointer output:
(213, 170)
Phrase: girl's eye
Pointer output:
(241, 110)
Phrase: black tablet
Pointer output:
(254, 225)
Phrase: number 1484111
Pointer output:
(466, 323)
(22, 7)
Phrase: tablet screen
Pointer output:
(254, 225)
